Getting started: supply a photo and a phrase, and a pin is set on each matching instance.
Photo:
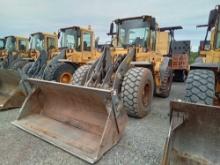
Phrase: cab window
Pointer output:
(51, 43)
(218, 35)
(22, 45)
(86, 41)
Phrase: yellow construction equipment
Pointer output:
(15, 48)
(194, 135)
(89, 117)
(43, 47)
(179, 51)
(78, 47)
(32, 62)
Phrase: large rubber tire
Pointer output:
(50, 70)
(200, 87)
(166, 83)
(79, 77)
(137, 91)
(64, 73)
(26, 67)
(18, 64)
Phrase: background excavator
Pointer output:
(89, 117)
(194, 135)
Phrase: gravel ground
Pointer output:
(141, 144)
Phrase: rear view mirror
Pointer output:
(111, 31)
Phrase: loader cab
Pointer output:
(10, 44)
(42, 41)
(217, 33)
(70, 38)
(16, 44)
(136, 31)
(76, 38)
(2, 44)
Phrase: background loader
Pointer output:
(15, 48)
(32, 62)
(43, 47)
(2, 45)
(179, 51)
(78, 47)
(194, 136)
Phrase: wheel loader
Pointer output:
(179, 52)
(15, 47)
(78, 47)
(43, 47)
(88, 118)
(194, 135)
(31, 62)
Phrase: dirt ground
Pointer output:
(141, 144)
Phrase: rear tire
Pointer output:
(79, 77)
(49, 71)
(137, 91)
(200, 87)
(64, 73)
(166, 83)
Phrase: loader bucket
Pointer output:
(79, 120)
(11, 93)
(194, 137)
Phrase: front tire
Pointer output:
(64, 73)
(79, 77)
(200, 87)
(137, 91)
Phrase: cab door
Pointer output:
(86, 46)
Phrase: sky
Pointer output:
(23, 17)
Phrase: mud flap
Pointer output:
(79, 120)
(194, 136)
(12, 94)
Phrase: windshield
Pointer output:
(37, 41)
(70, 38)
(10, 44)
(2, 44)
(218, 35)
(133, 32)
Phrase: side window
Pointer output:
(22, 45)
(153, 40)
(86, 41)
(51, 43)
(218, 36)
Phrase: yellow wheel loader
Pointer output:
(43, 47)
(31, 62)
(89, 117)
(179, 52)
(12, 94)
(15, 48)
(85, 121)
(194, 135)
(2, 45)
(78, 47)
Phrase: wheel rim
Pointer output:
(66, 78)
(146, 94)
